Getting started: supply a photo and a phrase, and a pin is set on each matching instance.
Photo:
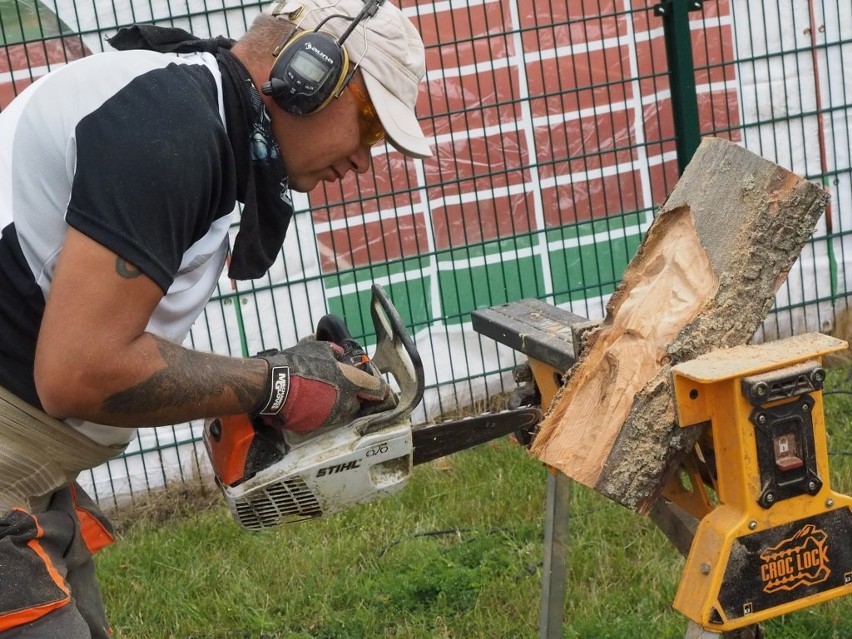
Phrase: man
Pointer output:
(118, 175)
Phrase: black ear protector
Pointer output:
(312, 67)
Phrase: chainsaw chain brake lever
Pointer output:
(395, 355)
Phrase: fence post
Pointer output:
(675, 15)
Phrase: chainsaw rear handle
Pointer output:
(332, 328)
(395, 355)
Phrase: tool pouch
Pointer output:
(39, 587)
(39, 454)
(48, 576)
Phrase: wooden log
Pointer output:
(704, 278)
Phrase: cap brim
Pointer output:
(400, 123)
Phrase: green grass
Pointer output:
(457, 554)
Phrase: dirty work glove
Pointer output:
(309, 387)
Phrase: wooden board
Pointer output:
(540, 330)
(704, 278)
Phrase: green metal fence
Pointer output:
(557, 127)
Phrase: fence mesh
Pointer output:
(557, 129)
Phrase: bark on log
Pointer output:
(704, 278)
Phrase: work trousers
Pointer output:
(47, 577)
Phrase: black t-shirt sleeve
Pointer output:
(154, 169)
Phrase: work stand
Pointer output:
(747, 519)
(549, 337)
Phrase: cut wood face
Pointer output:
(663, 291)
(703, 279)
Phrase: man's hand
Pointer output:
(309, 387)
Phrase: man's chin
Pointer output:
(307, 183)
(303, 185)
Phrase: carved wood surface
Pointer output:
(704, 278)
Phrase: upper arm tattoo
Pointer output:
(126, 269)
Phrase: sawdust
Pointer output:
(841, 329)
(756, 358)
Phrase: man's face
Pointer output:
(323, 146)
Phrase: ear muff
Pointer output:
(308, 72)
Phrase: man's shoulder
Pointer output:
(134, 62)
(154, 90)
(141, 81)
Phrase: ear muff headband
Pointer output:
(312, 67)
(309, 71)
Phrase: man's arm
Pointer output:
(94, 360)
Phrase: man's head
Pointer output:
(387, 53)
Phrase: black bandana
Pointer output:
(262, 185)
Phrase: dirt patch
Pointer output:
(160, 506)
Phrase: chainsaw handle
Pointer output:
(332, 328)
(396, 354)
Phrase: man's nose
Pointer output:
(362, 158)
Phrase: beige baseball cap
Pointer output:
(389, 52)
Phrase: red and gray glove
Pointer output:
(310, 387)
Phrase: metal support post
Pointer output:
(675, 14)
(694, 631)
(555, 571)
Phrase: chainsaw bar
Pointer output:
(439, 440)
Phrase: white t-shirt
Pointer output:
(140, 161)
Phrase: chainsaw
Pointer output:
(271, 476)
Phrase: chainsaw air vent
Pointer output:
(280, 502)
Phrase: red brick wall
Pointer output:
(567, 98)
(543, 114)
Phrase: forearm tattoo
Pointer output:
(188, 378)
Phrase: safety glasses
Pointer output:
(368, 120)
